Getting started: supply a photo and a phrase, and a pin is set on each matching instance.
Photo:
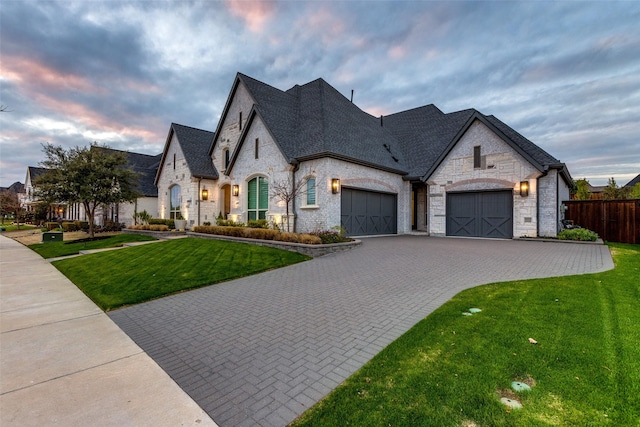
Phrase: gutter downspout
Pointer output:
(198, 199)
(296, 167)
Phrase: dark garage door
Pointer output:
(365, 213)
(488, 214)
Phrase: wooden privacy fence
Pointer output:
(613, 220)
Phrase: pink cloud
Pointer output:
(21, 69)
(254, 13)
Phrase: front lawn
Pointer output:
(452, 370)
(13, 227)
(57, 249)
(133, 275)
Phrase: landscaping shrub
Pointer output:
(228, 223)
(581, 234)
(309, 239)
(206, 223)
(51, 225)
(69, 226)
(331, 236)
(258, 223)
(112, 226)
(82, 225)
(258, 233)
(287, 237)
(150, 227)
(161, 221)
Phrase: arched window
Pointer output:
(258, 198)
(174, 203)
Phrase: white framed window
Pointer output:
(310, 200)
(174, 203)
(258, 198)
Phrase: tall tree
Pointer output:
(93, 176)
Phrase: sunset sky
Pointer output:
(564, 74)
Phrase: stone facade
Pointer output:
(327, 213)
(175, 171)
(502, 169)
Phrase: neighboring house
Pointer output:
(186, 178)
(145, 166)
(30, 200)
(456, 174)
(633, 182)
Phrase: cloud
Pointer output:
(563, 74)
(255, 13)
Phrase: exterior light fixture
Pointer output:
(335, 185)
(236, 190)
(524, 188)
(205, 194)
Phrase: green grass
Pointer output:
(57, 249)
(12, 227)
(450, 370)
(133, 275)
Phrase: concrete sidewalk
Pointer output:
(64, 362)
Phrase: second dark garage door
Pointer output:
(365, 213)
(481, 214)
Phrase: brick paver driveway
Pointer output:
(263, 349)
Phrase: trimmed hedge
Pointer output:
(257, 233)
(150, 227)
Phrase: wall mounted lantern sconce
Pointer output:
(236, 190)
(205, 194)
(335, 185)
(524, 188)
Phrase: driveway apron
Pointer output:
(263, 349)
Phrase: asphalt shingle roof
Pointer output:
(633, 182)
(146, 166)
(195, 145)
(315, 120)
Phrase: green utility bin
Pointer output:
(51, 236)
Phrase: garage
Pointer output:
(480, 214)
(366, 213)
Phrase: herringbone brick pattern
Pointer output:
(262, 349)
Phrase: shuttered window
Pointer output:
(258, 198)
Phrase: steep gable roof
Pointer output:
(314, 120)
(633, 182)
(145, 165)
(34, 172)
(194, 144)
(16, 187)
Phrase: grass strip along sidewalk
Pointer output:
(57, 249)
(582, 364)
(133, 275)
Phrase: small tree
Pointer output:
(613, 192)
(582, 190)
(635, 191)
(10, 205)
(92, 176)
(286, 191)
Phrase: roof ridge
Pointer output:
(191, 127)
